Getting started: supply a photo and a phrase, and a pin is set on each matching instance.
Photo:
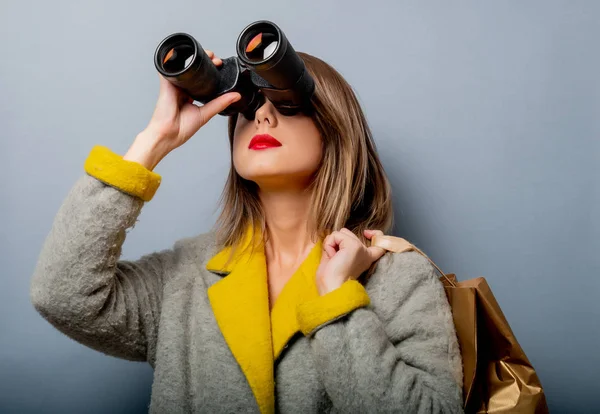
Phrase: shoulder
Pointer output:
(403, 269)
(405, 279)
(198, 248)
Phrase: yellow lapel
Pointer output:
(240, 302)
(299, 288)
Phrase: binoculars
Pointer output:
(266, 66)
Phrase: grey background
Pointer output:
(485, 114)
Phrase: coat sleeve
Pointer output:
(79, 284)
(394, 350)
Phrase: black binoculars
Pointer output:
(266, 66)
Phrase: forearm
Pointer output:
(364, 372)
(147, 150)
(79, 285)
(78, 259)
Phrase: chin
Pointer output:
(272, 179)
(276, 173)
(259, 174)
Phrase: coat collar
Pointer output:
(240, 302)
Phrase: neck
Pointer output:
(287, 215)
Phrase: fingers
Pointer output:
(343, 238)
(169, 95)
(215, 106)
(370, 233)
(329, 250)
(338, 236)
(331, 243)
(349, 233)
(217, 61)
(161, 79)
(335, 241)
(164, 84)
(375, 252)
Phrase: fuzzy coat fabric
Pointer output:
(398, 354)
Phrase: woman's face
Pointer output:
(293, 160)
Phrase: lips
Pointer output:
(263, 141)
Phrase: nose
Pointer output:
(266, 115)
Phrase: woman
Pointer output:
(266, 313)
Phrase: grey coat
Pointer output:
(398, 354)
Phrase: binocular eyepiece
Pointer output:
(266, 65)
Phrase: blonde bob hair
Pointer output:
(350, 188)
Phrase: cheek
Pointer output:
(238, 153)
(304, 152)
(238, 138)
(309, 152)
(309, 146)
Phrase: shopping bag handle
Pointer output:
(399, 245)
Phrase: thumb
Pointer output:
(210, 109)
(375, 253)
(323, 263)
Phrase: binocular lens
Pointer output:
(261, 47)
(182, 61)
(178, 58)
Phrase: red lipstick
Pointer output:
(263, 141)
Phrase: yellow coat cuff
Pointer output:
(324, 309)
(128, 176)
